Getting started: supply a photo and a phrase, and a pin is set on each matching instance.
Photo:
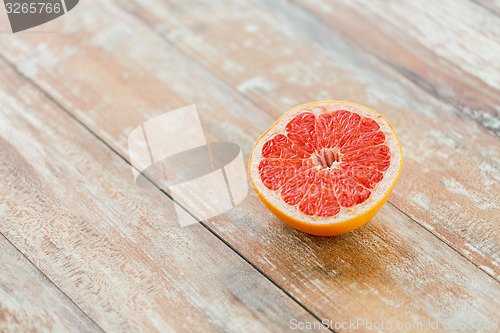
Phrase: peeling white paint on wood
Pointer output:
(394, 267)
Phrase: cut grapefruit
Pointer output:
(326, 168)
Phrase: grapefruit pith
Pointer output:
(326, 168)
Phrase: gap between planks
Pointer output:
(51, 282)
(449, 245)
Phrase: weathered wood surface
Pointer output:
(392, 269)
(30, 302)
(70, 205)
(259, 50)
(112, 73)
(451, 48)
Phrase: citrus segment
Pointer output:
(349, 191)
(327, 167)
(328, 197)
(276, 172)
(366, 176)
(302, 131)
(294, 189)
(281, 147)
(377, 157)
(346, 126)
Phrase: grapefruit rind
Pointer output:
(349, 218)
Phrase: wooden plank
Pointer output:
(72, 207)
(262, 53)
(29, 301)
(392, 269)
(448, 47)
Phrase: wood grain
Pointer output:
(71, 206)
(259, 50)
(450, 48)
(114, 76)
(493, 5)
(29, 302)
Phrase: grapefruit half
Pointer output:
(326, 168)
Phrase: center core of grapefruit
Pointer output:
(326, 168)
(327, 158)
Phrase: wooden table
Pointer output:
(83, 248)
